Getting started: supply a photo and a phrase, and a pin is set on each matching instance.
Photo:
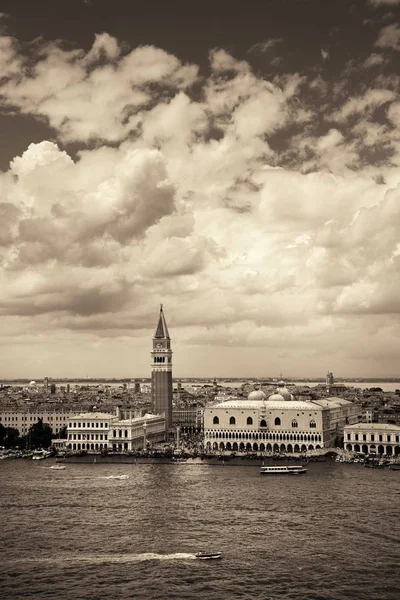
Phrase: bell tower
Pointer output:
(161, 371)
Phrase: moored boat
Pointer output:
(283, 470)
(40, 454)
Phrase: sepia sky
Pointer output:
(238, 162)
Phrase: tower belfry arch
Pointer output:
(161, 371)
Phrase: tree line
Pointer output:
(40, 435)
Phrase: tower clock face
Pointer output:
(159, 345)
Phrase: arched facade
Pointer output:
(373, 438)
(279, 424)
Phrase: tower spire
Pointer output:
(162, 329)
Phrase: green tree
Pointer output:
(40, 435)
(62, 434)
(9, 437)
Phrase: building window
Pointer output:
(294, 423)
(126, 433)
(215, 421)
(232, 421)
(348, 436)
(380, 437)
(263, 423)
(249, 421)
(388, 438)
(372, 437)
(115, 433)
(277, 421)
(364, 437)
(356, 437)
(313, 424)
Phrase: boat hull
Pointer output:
(283, 470)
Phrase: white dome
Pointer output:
(32, 383)
(256, 395)
(275, 397)
(283, 391)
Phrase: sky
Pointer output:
(237, 162)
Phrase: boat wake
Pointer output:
(114, 477)
(110, 558)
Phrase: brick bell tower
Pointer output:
(161, 371)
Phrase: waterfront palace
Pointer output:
(278, 423)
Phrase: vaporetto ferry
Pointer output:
(283, 470)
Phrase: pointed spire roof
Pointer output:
(162, 329)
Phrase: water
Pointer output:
(76, 534)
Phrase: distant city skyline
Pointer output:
(236, 162)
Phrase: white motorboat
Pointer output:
(40, 454)
(207, 555)
(283, 470)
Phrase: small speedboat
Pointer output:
(207, 555)
(57, 467)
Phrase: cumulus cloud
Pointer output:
(384, 2)
(374, 60)
(247, 206)
(389, 37)
(86, 96)
(368, 102)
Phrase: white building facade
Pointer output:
(373, 438)
(277, 424)
(96, 432)
(89, 431)
(24, 419)
(131, 434)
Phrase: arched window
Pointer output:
(263, 423)
(294, 423)
(215, 421)
(232, 421)
(312, 424)
(277, 421)
(249, 421)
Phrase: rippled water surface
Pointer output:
(79, 534)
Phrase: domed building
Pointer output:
(256, 395)
(279, 423)
(281, 393)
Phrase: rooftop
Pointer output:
(146, 417)
(374, 426)
(269, 404)
(94, 415)
(332, 402)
